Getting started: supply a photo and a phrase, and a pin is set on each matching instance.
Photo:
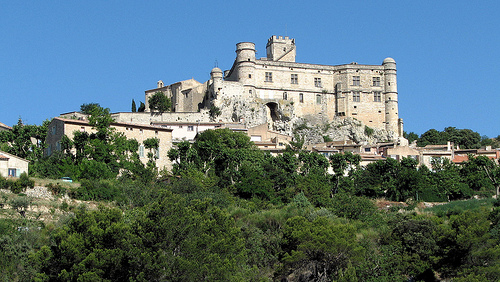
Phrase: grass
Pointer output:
(457, 207)
(45, 181)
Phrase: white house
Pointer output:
(11, 165)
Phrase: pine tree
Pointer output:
(134, 108)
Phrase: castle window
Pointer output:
(376, 81)
(157, 153)
(250, 91)
(355, 81)
(295, 79)
(317, 81)
(53, 130)
(285, 96)
(301, 97)
(249, 75)
(190, 128)
(141, 151)
(318, 99)
(269, 77)
(355, 96)
(377, 97)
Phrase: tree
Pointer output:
(88, 108)
(152, 144)
(341, 163)
(25, 141)
(170, 239)
(411, 136)
(431, 136)
(465, 138)
(159, 102)
(413, 244)
(447, 179)
(141, 108)
(330, 247)
(482, 174)
(214, 112)
(134, 109)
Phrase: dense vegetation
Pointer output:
(464, 138)
(230, 212)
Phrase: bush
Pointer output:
(95, 190)
(368, 131)
(56, 189)
(91, 169)
(16, 187)
(3, 183)
(20, 203)
(25, 181)
(352, 207)
(457, 207)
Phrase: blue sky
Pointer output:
(57, 55)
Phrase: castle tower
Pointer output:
(216, 77)
(281, 49)
(245, 60)
(391, 96)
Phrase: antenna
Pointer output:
(216, 64)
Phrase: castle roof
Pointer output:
(389, 60)
(5, 126)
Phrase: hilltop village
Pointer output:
(340, 108)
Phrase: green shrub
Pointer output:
(352, 207)
(327, 138)
(3, 183)
(457, 207)
(56, 189)
(20, 203)
(25, 181)
(16, 187)
(368, 131)
(91, 169)
(95, 190)
(64, 206)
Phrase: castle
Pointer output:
(279, 91)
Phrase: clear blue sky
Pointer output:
(57, 55)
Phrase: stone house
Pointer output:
(11, 165)
(4, 127)
(63, 126)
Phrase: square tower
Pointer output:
(281, 49)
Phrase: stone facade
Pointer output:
(61, 126)
(278, 91)
(11, 165)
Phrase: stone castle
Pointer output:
(280, 92)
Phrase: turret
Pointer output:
(281, 49)
(216, 77)
(245, 60)
(391, 96)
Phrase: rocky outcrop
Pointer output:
(281, 117)
(315, 130)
